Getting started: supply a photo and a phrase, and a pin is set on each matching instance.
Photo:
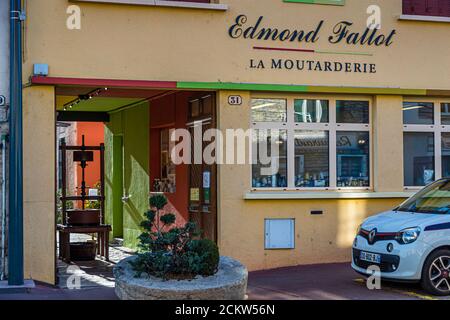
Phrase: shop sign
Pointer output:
(342, 32)
(2, 101)
(275, 39)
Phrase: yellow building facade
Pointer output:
(251, 54)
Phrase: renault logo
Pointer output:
(372, 236)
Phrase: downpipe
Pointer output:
(3, 220)
(15, 221)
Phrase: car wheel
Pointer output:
(436, 273)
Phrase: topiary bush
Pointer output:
(209, 253)
(171, 252)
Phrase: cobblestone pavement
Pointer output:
(92, 274)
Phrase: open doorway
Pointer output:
(135, 126)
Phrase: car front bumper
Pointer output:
(404, 263)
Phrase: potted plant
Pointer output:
(174, 263)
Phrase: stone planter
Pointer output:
(229, 283)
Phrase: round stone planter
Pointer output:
(229, 283)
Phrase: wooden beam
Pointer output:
(81, 116)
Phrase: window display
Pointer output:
(311, 143)
(352, 159)
(312, 159)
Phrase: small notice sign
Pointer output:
(206, 179)
(195, 194)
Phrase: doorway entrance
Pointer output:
(136, 124)
(202, 176)
(190, 188)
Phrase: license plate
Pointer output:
(370, 257)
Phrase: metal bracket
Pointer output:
(19, 15)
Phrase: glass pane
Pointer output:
(418, 113)
(269, 110)
(418, 157)
(352, 150)
(352, 111)
(445, 113)
(195, 108)
(312, 159)
(311, 111)
(207, 105)
(446, 154)
(167, 183)
(269, 150)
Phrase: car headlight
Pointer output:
(408, 235)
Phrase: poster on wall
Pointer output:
(195, 194)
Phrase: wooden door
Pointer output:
(202, 177)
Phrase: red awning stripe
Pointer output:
(104, 82)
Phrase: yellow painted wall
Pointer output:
(387, 142)
(39, 183)
(150, 43)
(319, 238)
(153, 43)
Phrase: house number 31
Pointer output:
(235, 100)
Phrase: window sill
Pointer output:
(305, 195)
(161, 3)
(424, 18)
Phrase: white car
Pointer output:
(410, 243)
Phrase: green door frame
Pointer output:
(117, 186)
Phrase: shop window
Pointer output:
(279, 234)
(311, 111)
(436, 8)
(418, 155)
(418, 113)
(270, 170)
(352, 111)
(312, 154)
(445, 113)
(445, 151)
(322, 144)
(352, 151)
(269, 110)
(426, 142)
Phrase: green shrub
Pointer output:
(168, 251)
(208, 252)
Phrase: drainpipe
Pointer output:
(3, 214)
(15, 232)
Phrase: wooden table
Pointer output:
(102, 232)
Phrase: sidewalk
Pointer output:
(315, 282)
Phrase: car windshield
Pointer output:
(434, 198)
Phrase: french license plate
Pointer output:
(370, 257)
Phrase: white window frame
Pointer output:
(437, 128)
(332, 127)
